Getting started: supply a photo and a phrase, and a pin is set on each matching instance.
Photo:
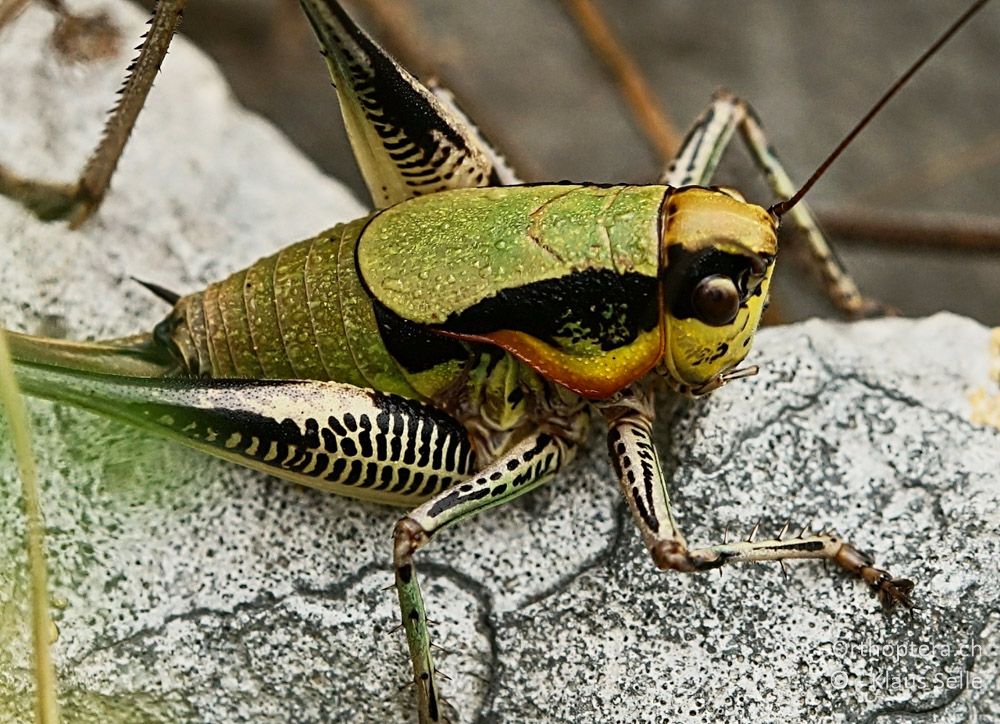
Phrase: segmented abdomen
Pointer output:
(299, 314)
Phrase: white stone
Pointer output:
(196, 590)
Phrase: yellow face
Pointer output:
(717, 257)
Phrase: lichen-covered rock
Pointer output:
(190, 589)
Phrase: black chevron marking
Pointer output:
(335, 425)
(438, 449)
(450, 462)
(404, 475)
(397, 111)
(329, 439)
(385, 477)
(431, 487)
(354, 474)
(424, 452)
(364, 436)
(382, 423)
(337, 471)
(349, 447)
(415, 482)
(410, 454)
(371, 474)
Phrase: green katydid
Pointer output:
(397, 358)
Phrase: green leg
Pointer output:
(630, 421)
(696, 163)
(528, 464)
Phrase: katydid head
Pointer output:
(716, 260)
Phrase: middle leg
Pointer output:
(527, 465)
(696, 163)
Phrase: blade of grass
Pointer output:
(46, 701)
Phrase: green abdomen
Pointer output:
(299, 314)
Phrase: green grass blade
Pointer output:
(46, 701)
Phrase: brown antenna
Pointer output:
(780, 208)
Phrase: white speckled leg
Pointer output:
(630, 444)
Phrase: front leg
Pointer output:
(630, 444)
(527, 465)
(696, 163)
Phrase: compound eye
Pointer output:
(716, 300)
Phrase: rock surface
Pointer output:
(195, 590)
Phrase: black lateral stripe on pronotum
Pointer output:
(409, 126)
(413, 346)
(362, 449)
(592, 306)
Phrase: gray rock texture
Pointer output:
(192, 590)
